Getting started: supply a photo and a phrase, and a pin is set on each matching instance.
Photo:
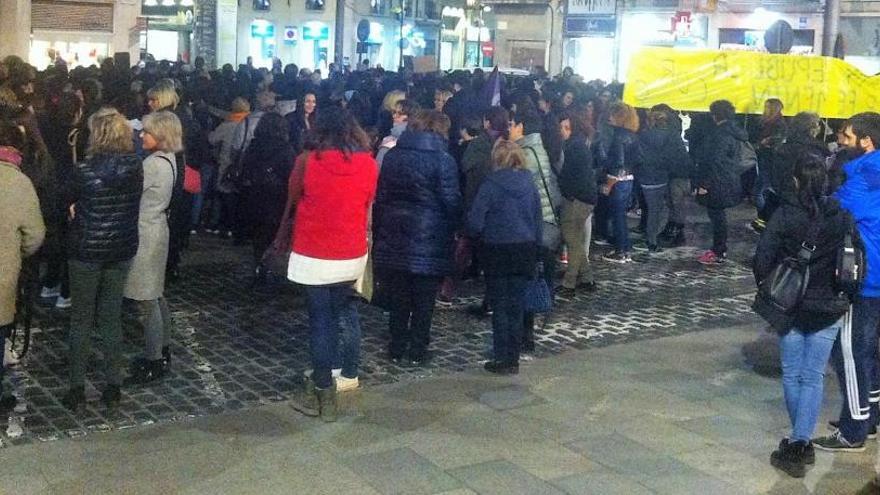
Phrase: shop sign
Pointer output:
(681, 24)
(262, 29)
(600, 26)
(488, 49)
(316, 31)
(592, 7)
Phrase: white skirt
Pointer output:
(313, 271)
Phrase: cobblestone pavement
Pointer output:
(235, 348)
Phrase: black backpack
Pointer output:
(851, 266)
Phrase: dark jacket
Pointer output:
(718, 164)
(578, 177)
(417, 208)
(783, 160)
(106, 190)
(659, 149)
(787, 229)
(624, 153)
(476, 164)
(265, 176)
(506, 217)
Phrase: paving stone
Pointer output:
(234, 348)
(502, 478)
(401, 471)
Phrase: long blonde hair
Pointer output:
(109, 133)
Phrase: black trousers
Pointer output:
(718, 219)
(412, 308)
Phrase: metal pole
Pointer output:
(830, 27)
(480, 35)
(400, 43)
(339, 41)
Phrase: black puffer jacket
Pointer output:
(786, 231)
(106, 190)
(418, 207)
(718, 165)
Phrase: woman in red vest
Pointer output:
(333, 190)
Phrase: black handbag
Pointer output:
(781, 292)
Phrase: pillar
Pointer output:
(15, 28)
(831, 26)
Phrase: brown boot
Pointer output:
(327, 403)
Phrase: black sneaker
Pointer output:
(75, 399)
(809, 454)
(790, 458)
(836, 443)
(501, 368)
(654, 249)
(640, 246)
(588, 287)
(872, 431)
(566, 293)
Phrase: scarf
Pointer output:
(237, 116)
(10, 155)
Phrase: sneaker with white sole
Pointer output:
(50, 292)
(344, 384)
(62, 302)
(836, 443)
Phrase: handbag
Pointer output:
(233, 176)
(782, 291)
(552, 234)
(537, 297)
(192, 180)
(851, 263)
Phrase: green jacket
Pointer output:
(538, 163)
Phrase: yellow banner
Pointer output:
(691, 80)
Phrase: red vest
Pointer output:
(331, 216)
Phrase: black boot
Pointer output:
(111, 396)
(501, 367)
(676, 238)
(166, 357)
(146, 371)
(790, 457)
(75, 398)
(668, 232)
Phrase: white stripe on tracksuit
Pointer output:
(856, 410)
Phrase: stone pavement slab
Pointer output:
(462, 445)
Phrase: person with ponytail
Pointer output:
(814, 220)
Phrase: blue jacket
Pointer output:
(860, 196)
(418, 206)
(507, 209)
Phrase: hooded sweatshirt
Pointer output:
(506, 216)
(860, 196)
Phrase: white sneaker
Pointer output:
(9, 357)
(344, 384)
(62, 302)
(50, 292)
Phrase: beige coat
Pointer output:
(146, 279)
(21, 233)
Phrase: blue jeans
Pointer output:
(505, 294)
(855, 360)
(619, 202)
(207, 174)
(349, 358)
(804, 356)
(326, 304)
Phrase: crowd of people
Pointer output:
(393, 187)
